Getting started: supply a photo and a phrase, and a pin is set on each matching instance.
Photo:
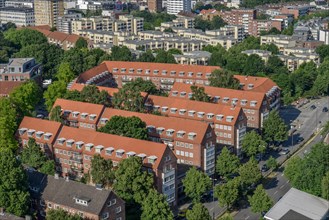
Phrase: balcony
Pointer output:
(167, 82)
(125, 79)
(76, 160)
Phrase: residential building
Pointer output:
(257, 26)
(193, 58)
(229, 122)
(253, 104)
(281, 41)
(19, 16)
(184, 22)
(64, 23)
(110, 91)
(154, 5)
(296, 204)
(176, 6)
(6, 87)
(286, 19)
(264, 54)
(240, 17)
(89, 202)
(293, 63)
(262, 85)
(2, 3)
(20, 69)
(44, 133)
(47, 11)
(297, 11)
(324, 36)
(74, 148)
(192, 142)
(80, 114)
(19, 3)
(209, 14)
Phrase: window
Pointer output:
(200, 114)
(210, 115)
(182, 111)
(118, 209)
(105, 215)
(152, 159)
(174, 93)
(170, 132)
(173, 110)
(191, 113)
(178, 152)
(112, 202)
(191, 155)
(119, 153)
(182, 94)
(49, 205)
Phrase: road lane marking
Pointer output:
(282, 186)
(275, 192)
(247, 217)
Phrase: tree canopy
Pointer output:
(260, 202)
(227, 163)
(102, 170)
(228, 193)
(223, 79)
(198, 94)
(274, 128)
(198, 212)
(60, 214)
(250, 173)
(253, 144)
(8, 125)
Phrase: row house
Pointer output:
(253, 104)
(80, 114)
(193, 142)
(7, 87)
(44, 132)
(73, 149)
(228, 122)
(98, 76)
(89, 202)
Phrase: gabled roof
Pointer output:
(260, 84)
(189, 105)
(178, 124)
(80, 86)
(83, 77)
(114, 141)
(72, 38)
(56, 35)
(38, 125)
(6, 87)
(249, 95)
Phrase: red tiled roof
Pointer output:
(189, 105)
(56, 35)
(45, 126)
(260, 84)
(82, 78)
(80, 107)
(208, 11)
(6, 87)
(221, 93)
(114, 141)
(178, 124)
(72, 38)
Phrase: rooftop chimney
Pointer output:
(56, 176)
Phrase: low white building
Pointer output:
(324, 36)
(19, 16)
(176, 6)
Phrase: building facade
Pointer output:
(47, 11)
(20, 69)
(176, 6)
(18, 16)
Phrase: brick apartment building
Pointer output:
(73, 149)
(228, 122)
(51, 192)
(253, 104)
(193, 142)
(242, 17)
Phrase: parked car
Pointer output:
(325, 109)
(313, 107)
(258, 157)
(264, 168)
(300, 139)
(284, 151)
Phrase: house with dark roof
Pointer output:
(89, 202)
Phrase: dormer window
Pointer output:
(164, 109)
(190, 74)
(191, 113)
(104, 121)
(131, 70)
(131, 154)
(229, 118)
(139, 71)
(173, 110)
(181, 73)
(219, 117)
(191, 135)
(115, 70)
(82, 201)
(253, 103)
(150, 128)
(250, 86)
(38, 134)
(21, 131)
(182, 94)
(200, 114)
(47, 136)
(92, 117)
(190, 95)
(182, 111)
(109, 150)
(99, 148)
(155, 72)
(235, 101)
(156, 107)
(123, 70)
(84, 115)
(61, 141)
(119, 153)
(208, 75)
(243, 102)
(216, 99)
(75, 114)
(170, 132)
(69, 142)
(180, 134)
(141, 155)
(79, 145)
(152, 159)
(30, 132)
(147, 71)
(160, 130)
(172, 73)
(164, 72)
(210, 115)
(226, 99)
(199, 75)
(89, 146)
(174, 93)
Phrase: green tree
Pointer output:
(196, 183)
(270, 47)
(174, 51)
(274, 128)
(250, 173)
(223, 79)
(8, 125)
(323, 51)
(132, 183)
(289, 30)
(141, 85)
(147, 57)
(65, 73)
(276, 66)
(155, 206)
(227, 193)
(54, 91)
(91, 94)
(81, 43)
(216, 23)
(320, 86)
(254, 65)
(60, 214)
(56, 114)
(217, 59)
(102, 171)
(121, 54)
(14, 195)
(199, 23)
(325, 186)
(164, 57)
(236, 62)
(227, 163)
(198, 212)
(48, 167)
(32, 154)
(132, 127)
(26, 97)
(253, 144)
(260, 202)
(199, 94)
(127, 99)
(272, 163)
(24, 37)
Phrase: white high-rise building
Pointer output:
(324, 36)
(176, 6)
